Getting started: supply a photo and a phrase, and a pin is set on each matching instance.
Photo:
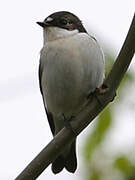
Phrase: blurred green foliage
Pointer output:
(99, 133)
(100, 164)
(125, 166)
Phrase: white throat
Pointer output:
(54, 33)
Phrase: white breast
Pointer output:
(72, 68)
(54, 33)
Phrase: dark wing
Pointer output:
(49, 114)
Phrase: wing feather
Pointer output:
(49, 114)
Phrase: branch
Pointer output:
(91, 110)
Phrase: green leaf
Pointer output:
(94, 176)
(125, 166)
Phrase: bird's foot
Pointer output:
(68, 124)
(101, 90)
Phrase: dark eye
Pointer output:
(63, 21)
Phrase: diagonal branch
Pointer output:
(91, 110)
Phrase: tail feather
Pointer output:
(70, 162)
(58, 164)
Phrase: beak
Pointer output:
(43, 24)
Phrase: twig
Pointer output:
(92, 109)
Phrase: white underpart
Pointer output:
(54, 33)
(72, 66)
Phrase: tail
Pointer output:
(70, 162)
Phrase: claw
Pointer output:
(101, 90)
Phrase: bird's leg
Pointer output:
(101, 90)
(68, 125)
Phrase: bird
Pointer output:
(71, 67)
